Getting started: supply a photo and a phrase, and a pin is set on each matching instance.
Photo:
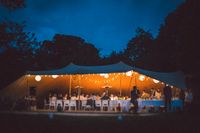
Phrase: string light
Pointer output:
(38, 78)
(155, 81)
(129, 73)
(141, 77)
(54, 76)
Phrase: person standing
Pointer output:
(188, 99)
(134, 96)
(167, 97)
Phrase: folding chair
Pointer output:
(72, 104)
(66, 104)
(105, 104)
(52, 103)
(98, 104)
(112, 105)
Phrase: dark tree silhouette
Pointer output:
(64, 49)
(177, 43)
(13, 4)
(16, 51)
(139, 46)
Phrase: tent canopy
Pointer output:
(173, 78)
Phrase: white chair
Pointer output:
(46, 104)
(52, 103)
(119, 105)
(112, 105)
(98, 104)
(83, 104)
(66, 104)
(105, 104)
(59, 102)
(72, 104)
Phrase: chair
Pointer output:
(52, 103)
(98, 104)
(105, 104)
(66, 104)
(72, 104)
(46, 104)
(59, 102)
(83, 104)
(113, 105)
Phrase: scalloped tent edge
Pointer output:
(176, 79)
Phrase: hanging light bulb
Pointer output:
(102, 74)
(129, 73)
(155, 81)
(38, 78)
(141, 77)
(106, 76)
(54, 76)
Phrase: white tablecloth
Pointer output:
(125, 104)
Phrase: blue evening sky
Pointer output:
(108, 24)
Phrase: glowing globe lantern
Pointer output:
(155, 81)
(102, 74)
(129, 73)
(54, 76)
(106, 76)
(38, 78)
(141, 77)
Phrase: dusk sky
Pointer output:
(108, 24)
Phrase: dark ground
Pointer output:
(42, 123)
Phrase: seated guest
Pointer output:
(152, 93)
(127, 98)
(66, 97)
(50, 96)
(116, 97)
(111, 97)
(82, 97)
(158, 94)
(54, 97)
(60, 97)
(73, 97)
(145, 95)
(105, 96)
(98, 97)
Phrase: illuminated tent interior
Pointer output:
(117, 78)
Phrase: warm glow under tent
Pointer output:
(117, 77)
(174, 78)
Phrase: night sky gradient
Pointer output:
(108, 24)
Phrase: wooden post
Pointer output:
(70, 85)
(120, 90)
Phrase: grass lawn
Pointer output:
(42, 123)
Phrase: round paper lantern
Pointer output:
(38, 78)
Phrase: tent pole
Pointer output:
(70, 85)
(130, 83)
(27, 85)
(120, 90)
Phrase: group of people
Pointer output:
(165, 94)
(151, 94)
(185, 96)
(103, 96)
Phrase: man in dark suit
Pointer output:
(168, 96)
(134, 96)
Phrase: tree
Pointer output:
(139, 46)
(13, 4)
(64, 49)
(17, 47)
(178, 40)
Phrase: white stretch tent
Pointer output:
(173, 78)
